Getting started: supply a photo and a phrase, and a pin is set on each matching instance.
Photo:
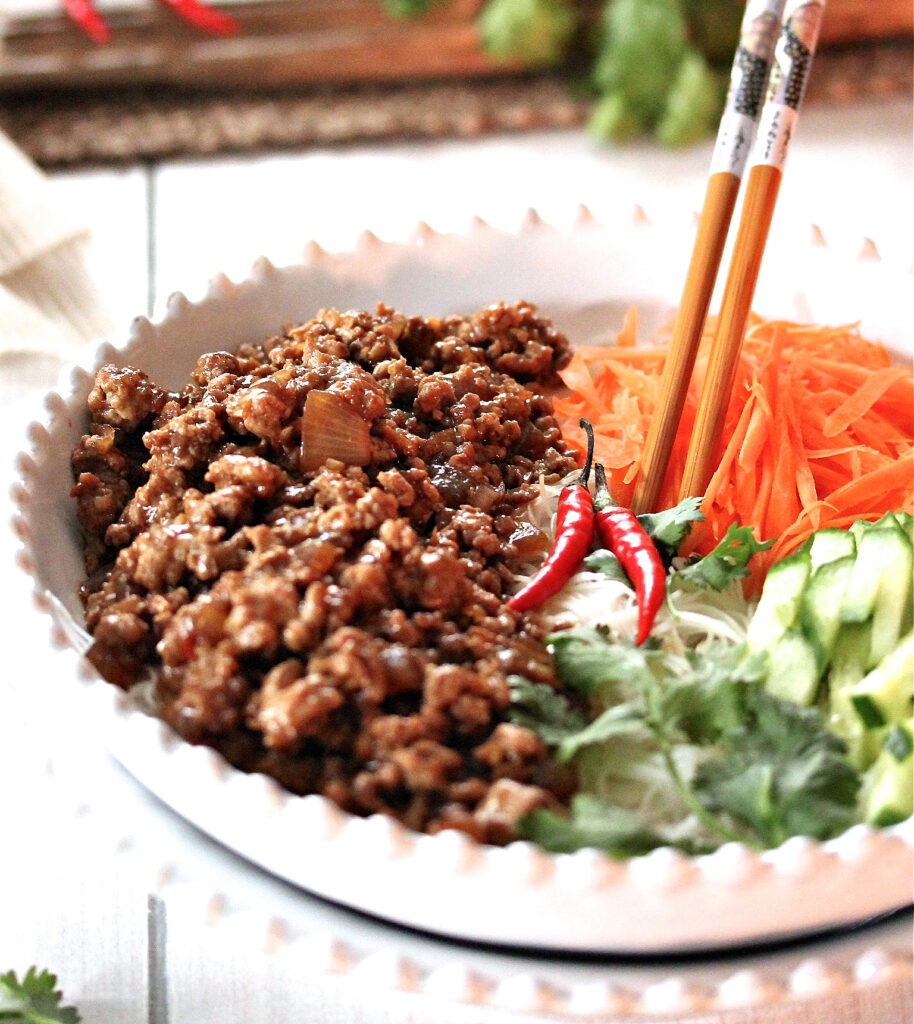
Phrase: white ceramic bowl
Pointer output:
(584, 277)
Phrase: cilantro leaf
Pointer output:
(708, 697)
(606, 562)
(592, 822)
(693, 746)
(668, 528)
(726, 562)
(543, 710)
(34, 1000)
(616, 721)
(781, 773)
(586, 661)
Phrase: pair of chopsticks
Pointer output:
(777, 42)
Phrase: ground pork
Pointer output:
(342, 628)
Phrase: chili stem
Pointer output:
(584, 478)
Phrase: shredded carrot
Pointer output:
(819, 431)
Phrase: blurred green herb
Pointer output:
(408, 8)
(537, 32)
(652, 66)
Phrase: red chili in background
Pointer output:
(573, 534)
(620, 531)
(83, 14)
(202, 17)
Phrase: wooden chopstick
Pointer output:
(793, 59)
(748, 81)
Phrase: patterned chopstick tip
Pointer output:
(787, 84)
(759, 33)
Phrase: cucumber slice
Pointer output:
(858, 529)
(863, 745)
(793, 669)
(884, 695)
(850, 657)
(830, 544)
(882, 550)
(899, 740)
(889, 791)
(820, 605)
(780, 601)
(894, 601)
(906, 522)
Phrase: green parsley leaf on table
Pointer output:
(640, 44)
(692, 103)
(34, 1000)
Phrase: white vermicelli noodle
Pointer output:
(687, 619)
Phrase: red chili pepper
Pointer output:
(83, 14)
(619, 530)
(573, 534)
(202, 17)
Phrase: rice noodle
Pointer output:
(686, 620)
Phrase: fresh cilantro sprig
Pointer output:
(592, 822)
(669, 527)
(723, 565)
(545, 711)
(726, 562)
(780, 773)
(742, 764)
(605, 562)
(34, 1000)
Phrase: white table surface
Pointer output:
(86, 856)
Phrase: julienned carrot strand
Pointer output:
(628, 335)
(781, 473)
(785, 504)
(577, 377)
(756, 505)
(805, 480)
(758, 428)
(890, 477)
(634, 356)
(863, 399)
(733, 446)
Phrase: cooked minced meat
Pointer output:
(341, 628)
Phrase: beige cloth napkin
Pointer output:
(48, 301)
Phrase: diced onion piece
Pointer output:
(332, 429)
